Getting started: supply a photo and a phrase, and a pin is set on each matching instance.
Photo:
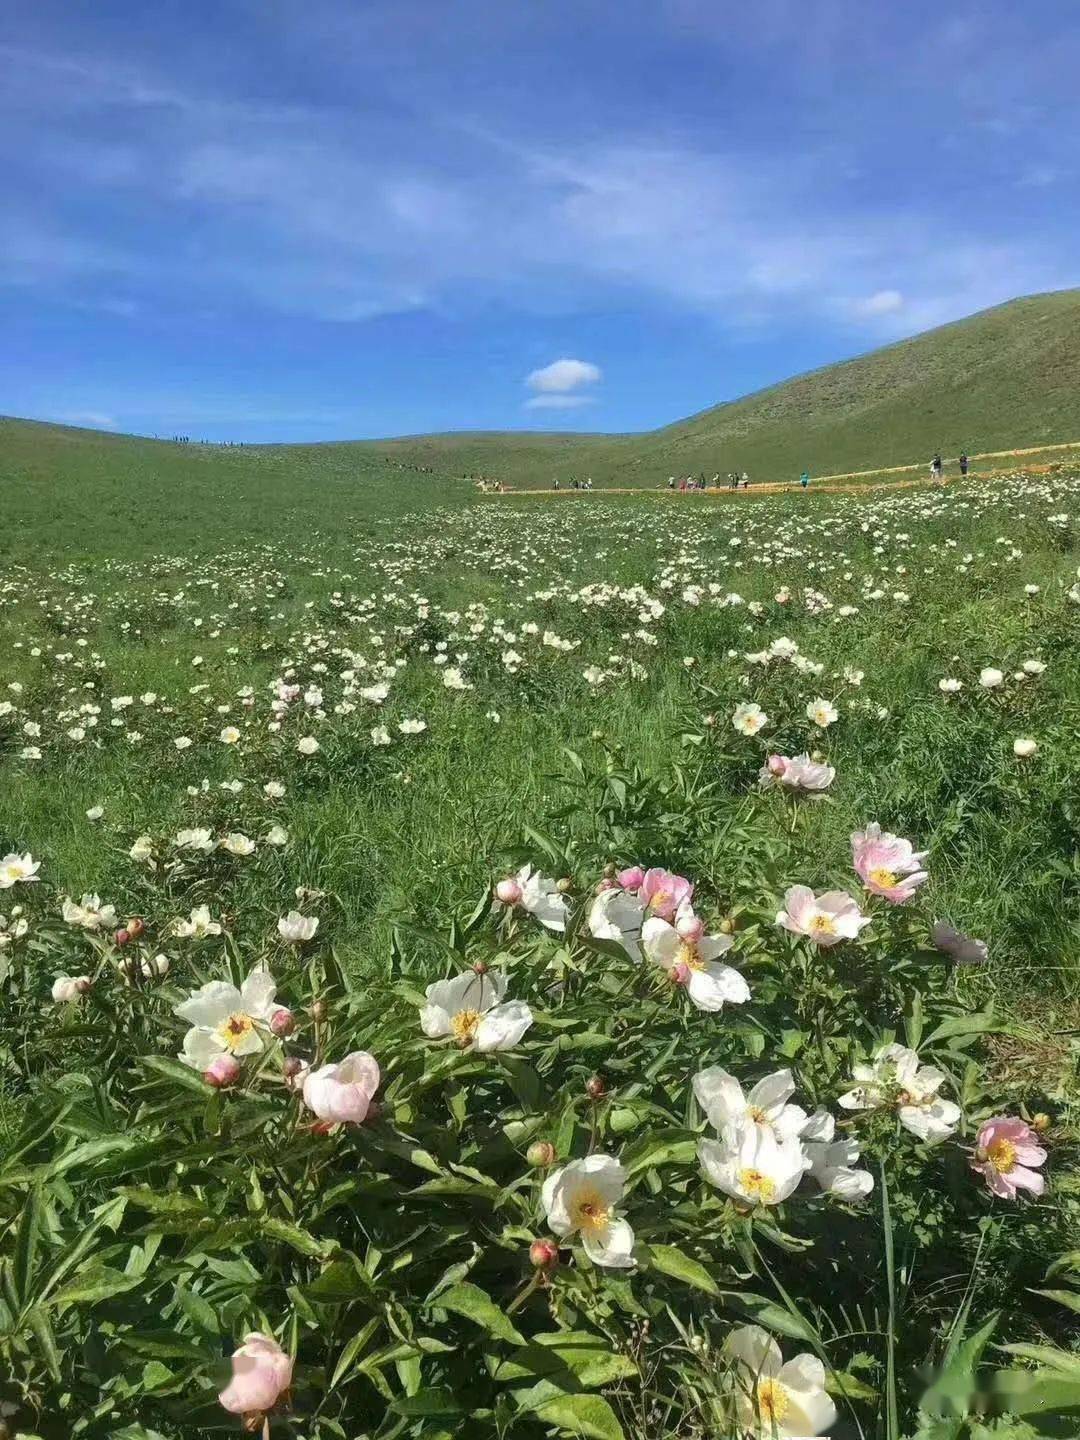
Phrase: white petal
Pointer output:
(612, 1246)
(715, 986)
(502, 1027)
(200, 1047)
(773, 1091)
(660, 941)
(211, 1004)
(258, 992)
(434, 1021)
(756, 1350)
(719, 1095)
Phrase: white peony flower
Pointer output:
(297, 929)
(225, 1020)
(581, 1199)
(772, 1399)
(471, 1008)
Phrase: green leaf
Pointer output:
(43, 1332)
(581, 1415)
(178, 1072)
(1063, 1360)
(524, 1081)
(956, 1025)
(352, 1350)
(430, 1404)
(26, 1243)
(300, 1240)
(771, 1316)
(662, 1147)
(1069, 1298)
(477, 1305)
(578, 1356)
(670, 1260)
(341, 1281)
(96, 1282)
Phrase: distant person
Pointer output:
(804, 479)
(963, 462)
(556, 482)
(935, 466)
(671, 482)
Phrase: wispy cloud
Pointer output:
(93, 419)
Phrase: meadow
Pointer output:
(572, 754)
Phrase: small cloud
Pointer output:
(562, 376)
(559, 402)
(94, 419)
(1039, 177)
(882, 302)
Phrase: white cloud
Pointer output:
(881, 302)
(551, 401)
(562, 376)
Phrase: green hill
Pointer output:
(1007, 377)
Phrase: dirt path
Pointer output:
(830, 484)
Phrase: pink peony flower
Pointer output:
(261, 1372)
(798, 775)
(662, 893)
(341, 1093)
(631, 879)
(887, 865)
(1007, 1153)
(826, 919)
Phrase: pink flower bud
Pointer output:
(223, 1071)
(690, 928)
(544, 1254)
(777, 764)
(122, 937)
(508, 891)
(680, 973)
(631, 879)
(282, 1022)
(261, 1373)
(607, 884)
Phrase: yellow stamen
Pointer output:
(689, 957)
(234, 1030)
(660, 900)
(757, 1114)
(590, 1211)
(1002, 1156)
(463, 1025)
(884, 879)
(822, 924)
(772, 1402)
(757, 1185)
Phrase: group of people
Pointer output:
(735, 481)
(937, 466)
(574, 484)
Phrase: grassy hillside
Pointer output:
(1003, 378)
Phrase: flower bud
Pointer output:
(680, 973)
(598, 734)
(1040, 1122)
(135, 927)
(726, 926)
(291, 1067)
(319, 1009)
(544, 1254)
(610, 871)
(776, 764)
(282, 1022)
(595, 1087)
(565, 885)
(480, 967)
(690, 928)
(508, 891)
(540, 1154)
(223, 1071)
(121, 937)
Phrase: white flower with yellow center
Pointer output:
(690, 957)
(582, 1199)
(617, 915)
(471, 1009)
(895, 1078)
(752, 1166)
(237, 844)
(91, 914)
(18, 869)
(748, 718)
(728, 1110)
(225, 1020)
(198, 926)
(774, 1400)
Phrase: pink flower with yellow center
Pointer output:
(1007, 1156)
(887, 864)
(662, 893)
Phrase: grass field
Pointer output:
(256, 679)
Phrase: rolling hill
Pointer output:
(1007, 377)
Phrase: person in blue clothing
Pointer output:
(804, 479)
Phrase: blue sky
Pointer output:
(266, 219)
